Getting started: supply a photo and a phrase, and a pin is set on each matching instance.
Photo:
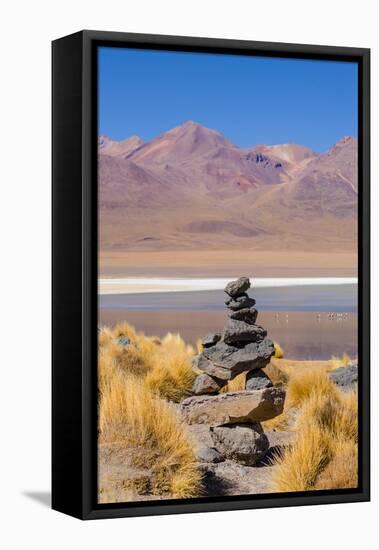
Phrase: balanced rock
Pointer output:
(239, 331)
(257, 380)
(248, 314)
(243, 443)
(211, 339)
(207, 384)
(240, 302)
(238, 287)
(227, 361)
(234, 407)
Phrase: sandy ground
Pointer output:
(227, 478)
(227, 263)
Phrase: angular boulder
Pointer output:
(232, 360)
(234, 407)
(239, 331)
(201, 363)
(211, 339)
(238, 287)
(248, 314)
(257, 380)
(345, 377)
(207, 384)
(209, 454)
(240, 302)
(243, 443)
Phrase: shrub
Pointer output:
(324, 453)
(305, 382)
(171, 375)
(149, 429)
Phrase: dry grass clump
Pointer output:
(324, 453)
(149, 429)
(342, 470)
(134, 419)
(303, 383)
(336, 414)
(164, 365)
(338, 362)
(279, 353)
(171, 375)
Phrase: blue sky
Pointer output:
(249, 99)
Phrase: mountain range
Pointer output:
(192, 189)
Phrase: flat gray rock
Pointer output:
(234, 407)
(247, 314)
(257, 380)
(239, 331)
(237, 287)
(246, 444)
(205, 384)
(236, 360)
(211, 339)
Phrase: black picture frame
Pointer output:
(74, 273)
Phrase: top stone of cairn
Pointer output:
(238, 287)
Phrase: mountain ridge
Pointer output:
(191, 187)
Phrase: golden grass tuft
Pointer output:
(279, 353)
(171, 375)
(342, 470)
(338, 362)
(324, 453)
(303, 383)
(336, 414)
(302, 463)
(105, 336)
(164, 365)
(149, 428)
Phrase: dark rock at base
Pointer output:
(248, 314)
(209, 454)
(230, 358)
(257, 380)
(345, 377)
(238, 287)
(240, 302)
(205, 384)
(244, 443)
(211, 339)
(123, 341)
(202, 363)
(239, 331)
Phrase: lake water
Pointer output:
(309, 321)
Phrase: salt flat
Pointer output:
(138, 285)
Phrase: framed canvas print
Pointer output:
(210, 275)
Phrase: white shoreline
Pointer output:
(142, 285)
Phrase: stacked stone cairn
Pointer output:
(234, 418)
